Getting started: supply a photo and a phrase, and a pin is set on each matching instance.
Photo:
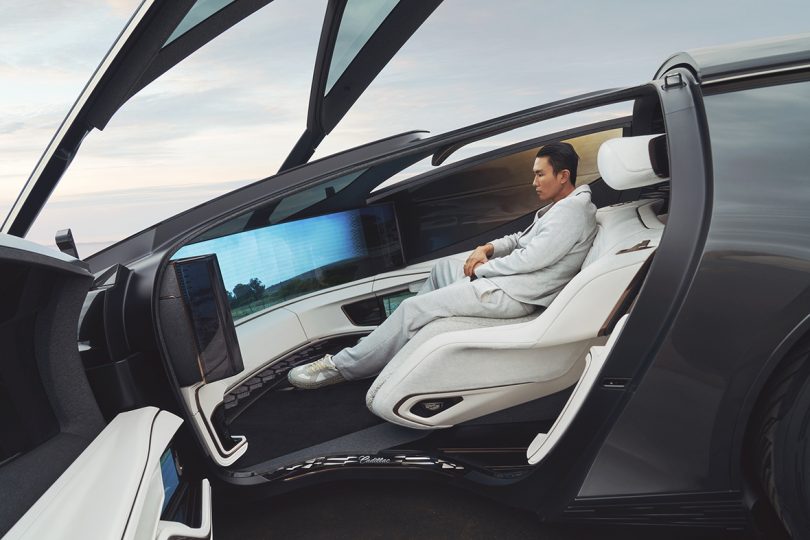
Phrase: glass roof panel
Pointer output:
(360, 20)
(201, 10)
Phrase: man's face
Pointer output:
(548, 185)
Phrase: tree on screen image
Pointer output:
(253, 296)
(244, 294)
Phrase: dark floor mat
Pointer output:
(283, 421)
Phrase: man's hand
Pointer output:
(479, 256)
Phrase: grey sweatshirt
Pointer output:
(534, 265)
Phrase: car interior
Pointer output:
(307, 273)
(315, 270)
(235, 292)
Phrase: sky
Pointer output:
(230, 114)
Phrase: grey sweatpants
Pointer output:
(446, 293)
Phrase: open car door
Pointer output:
(66, 471)
(358, 39)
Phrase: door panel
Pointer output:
(48, 414)
(114, 489)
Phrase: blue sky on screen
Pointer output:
(229, 115)
(279, 252)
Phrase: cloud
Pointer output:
(39, 13)
(58, 34)
(7, 128)
(236, 107)
(109, 215)
(143, 195)
(122, 7)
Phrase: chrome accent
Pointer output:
(752, 74)
(317, 464)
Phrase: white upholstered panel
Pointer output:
(624, 225)
(113, 489)
(544, 442)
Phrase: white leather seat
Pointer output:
(493, 364)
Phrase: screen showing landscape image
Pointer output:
(263, 267)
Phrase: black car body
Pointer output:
(694, 419)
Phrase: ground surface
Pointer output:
(407, 510)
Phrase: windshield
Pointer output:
(212, 124)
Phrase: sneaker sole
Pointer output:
(314, 385)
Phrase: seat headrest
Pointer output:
(633, 162)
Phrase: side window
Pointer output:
(275, 254)
(450, 207)
(759, 141)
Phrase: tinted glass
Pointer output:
(293, 204)
(200, 11)
(760, 139)
(472, 201)
(287, 208)
(360, 20)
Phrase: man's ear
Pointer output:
(566, 174)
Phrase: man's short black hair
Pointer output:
(561, 156)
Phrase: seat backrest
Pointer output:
(629, 163)
(624, 225)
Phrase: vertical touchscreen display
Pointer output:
(200, 284)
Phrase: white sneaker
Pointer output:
(315, 374)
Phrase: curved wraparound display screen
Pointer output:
(265, 266)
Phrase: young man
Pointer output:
(506, 278)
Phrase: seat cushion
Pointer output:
(435, 328)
